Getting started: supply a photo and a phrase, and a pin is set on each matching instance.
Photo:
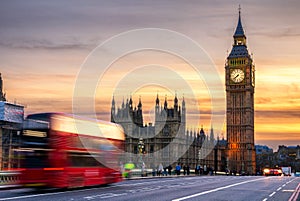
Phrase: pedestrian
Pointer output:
(198, 170)
(184, 170)
(143, 169)
(188, 170)
(160, 169)
(165, 173)
(210, 170)
(177, 169)
(170, 170)
(153, 171)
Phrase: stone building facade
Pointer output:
(166, 141)
(11, 119)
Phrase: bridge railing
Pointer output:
(9, 178)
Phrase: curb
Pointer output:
(11, 186)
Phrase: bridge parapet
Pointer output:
(9, 179)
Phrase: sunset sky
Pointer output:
(44, 45)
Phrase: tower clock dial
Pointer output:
(237, 75)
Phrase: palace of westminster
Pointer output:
(167, 140)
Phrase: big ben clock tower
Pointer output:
(240, 80)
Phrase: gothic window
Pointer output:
(166, 152)
(166, 130)
(151, 150)
(135, 149)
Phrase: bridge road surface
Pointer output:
(215, 188)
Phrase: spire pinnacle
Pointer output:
(140, 102)
(166, 103)
(239, 29)
(113, 100)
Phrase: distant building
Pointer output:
(263, 149)
(2, 95)
(288, 154)
(222, 155)
(11, 119)
(264, 158)
(285, 156)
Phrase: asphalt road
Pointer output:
(215, 188)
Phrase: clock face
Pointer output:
(237, 75)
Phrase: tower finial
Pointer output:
(239, 29)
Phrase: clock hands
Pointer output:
(237, 75)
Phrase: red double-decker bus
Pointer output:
(64, 151)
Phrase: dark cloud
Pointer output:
(48, 105)
(263, 100)
(280, 114)
(36, 78)
(282, 32)
(47, 44)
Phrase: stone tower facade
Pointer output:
(240, 80)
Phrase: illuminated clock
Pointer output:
(237, 75)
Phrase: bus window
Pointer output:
(34, 159)
(84, 160)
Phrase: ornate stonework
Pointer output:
(240, 80)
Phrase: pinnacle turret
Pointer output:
(2, 95)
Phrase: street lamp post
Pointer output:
(141, 149)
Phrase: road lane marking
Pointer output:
(30, 196)
(284, 190)
(146, 182)
(47, 194)
(272, 194)
(104, 196)
(217, 189)
(288, 190)
(295, 195)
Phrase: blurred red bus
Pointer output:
(63, 151)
